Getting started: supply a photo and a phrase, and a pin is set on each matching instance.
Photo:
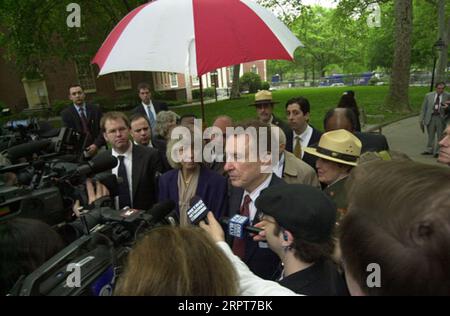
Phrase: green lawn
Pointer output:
(321, 100)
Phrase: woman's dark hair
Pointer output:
(25, 244)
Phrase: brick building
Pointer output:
(18, 95)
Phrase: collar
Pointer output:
(77, 107)
(256, 192)
(127, 154)
(307, 133)
(146, 105)
(289, 165)
(339, 179)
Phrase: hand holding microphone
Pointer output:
(213, 228)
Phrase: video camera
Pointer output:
(91, 263)
(48, 190)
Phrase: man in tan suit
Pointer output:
(292, 169)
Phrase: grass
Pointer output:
(321, 99)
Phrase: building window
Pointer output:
(122, 80)
(85, 74)
(195, 81)
(173, 80)
(254, 69)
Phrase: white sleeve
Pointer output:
(251, 284)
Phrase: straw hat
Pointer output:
(339, 146)
(263, 97)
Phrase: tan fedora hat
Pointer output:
(339, 146)
(263, 97)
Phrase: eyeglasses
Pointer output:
(114, 131)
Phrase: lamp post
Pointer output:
(438, 46)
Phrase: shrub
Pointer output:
(207, 93)
(265, 85)
(250, 81)
(59, 105)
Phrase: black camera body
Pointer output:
(91, 263)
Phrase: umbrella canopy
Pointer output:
(194, 37)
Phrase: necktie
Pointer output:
(239, 244)
(151, 116)
(298, 148)
(84, 125)
(436, 104)
(124, 187)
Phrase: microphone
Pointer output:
(25, 150)
(237, 224)
(160, 210)
(98, 164)
(110, 181)
(198, 210)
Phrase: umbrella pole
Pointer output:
(201, 101)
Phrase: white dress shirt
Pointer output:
(152, 108)
(128, 161)
(279, 168)
(304, 138)
(254, 195)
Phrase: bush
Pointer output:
(250, 82)
(373, 81)
(265, 85)
(207, 93)
(59, 105)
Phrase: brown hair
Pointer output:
(181, 261)
(143, 85)
(114, 115)
(398, 218)
(309, 252)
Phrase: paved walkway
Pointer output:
(406, 136)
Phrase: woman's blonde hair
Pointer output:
(195, 137)
(180, 261)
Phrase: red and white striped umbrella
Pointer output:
(194, 37)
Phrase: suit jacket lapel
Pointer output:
(136, 168)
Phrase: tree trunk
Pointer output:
(443, 34)
(398, 98)
(235, 94)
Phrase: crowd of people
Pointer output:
(329, 204)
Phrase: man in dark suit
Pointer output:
(264, 108)
(85, 119)
(137, 166)
(302, 135)
(248, 179)
(345, 118)
(148, 107)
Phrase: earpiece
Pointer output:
(285, 236)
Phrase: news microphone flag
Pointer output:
(236, 226)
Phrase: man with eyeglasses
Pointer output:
(85, 119)
(137, 167)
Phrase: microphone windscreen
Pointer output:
(160, 210)
(25, 150)
(103, 163)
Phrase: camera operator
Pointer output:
(25, 244)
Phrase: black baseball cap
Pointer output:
(307, 212)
